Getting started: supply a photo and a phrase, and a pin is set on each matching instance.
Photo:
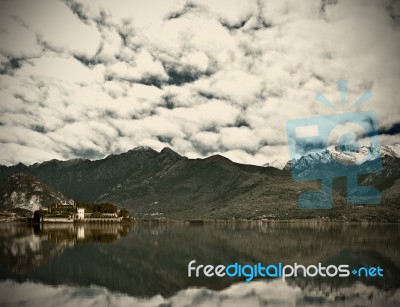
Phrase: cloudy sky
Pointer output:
(91, 78)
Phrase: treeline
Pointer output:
(102, 208)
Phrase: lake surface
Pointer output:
(146, 264)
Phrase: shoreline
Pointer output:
(208, 221)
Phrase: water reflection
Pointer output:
(258, 293)
(25, 247)
(148, 262)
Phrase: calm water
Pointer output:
(146, 265)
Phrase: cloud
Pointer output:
(143, 66)
(231, 12)
(11, 28)
(139, 13)
(56, 25)
(206, 142)
(242, 156)
(51, 67)
(236, 85)
(27, 154)
(91, 78)
(238, 138)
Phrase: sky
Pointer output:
(85, 79)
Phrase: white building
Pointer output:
(81, 213)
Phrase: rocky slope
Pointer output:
(24, 191)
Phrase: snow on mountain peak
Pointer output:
(343, 157)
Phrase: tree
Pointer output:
(37, 215)
(123, 213)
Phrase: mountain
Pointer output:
(369, 157)
(357, 156)
(24, 191)
(166, 184)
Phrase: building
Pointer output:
(109, 214)
(81, 214)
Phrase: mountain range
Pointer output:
(164, 184)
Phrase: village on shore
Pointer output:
(69, 212)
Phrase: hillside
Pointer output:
(24, 191)
(165, 184)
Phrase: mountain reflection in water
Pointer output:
(146, 264)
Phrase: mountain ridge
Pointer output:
(166, 184)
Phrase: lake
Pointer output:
(146, 264)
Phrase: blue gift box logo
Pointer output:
(348, 146)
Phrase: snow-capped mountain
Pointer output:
(27, 192)
(392, 150)
(364, 153)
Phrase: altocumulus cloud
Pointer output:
(91, 78)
